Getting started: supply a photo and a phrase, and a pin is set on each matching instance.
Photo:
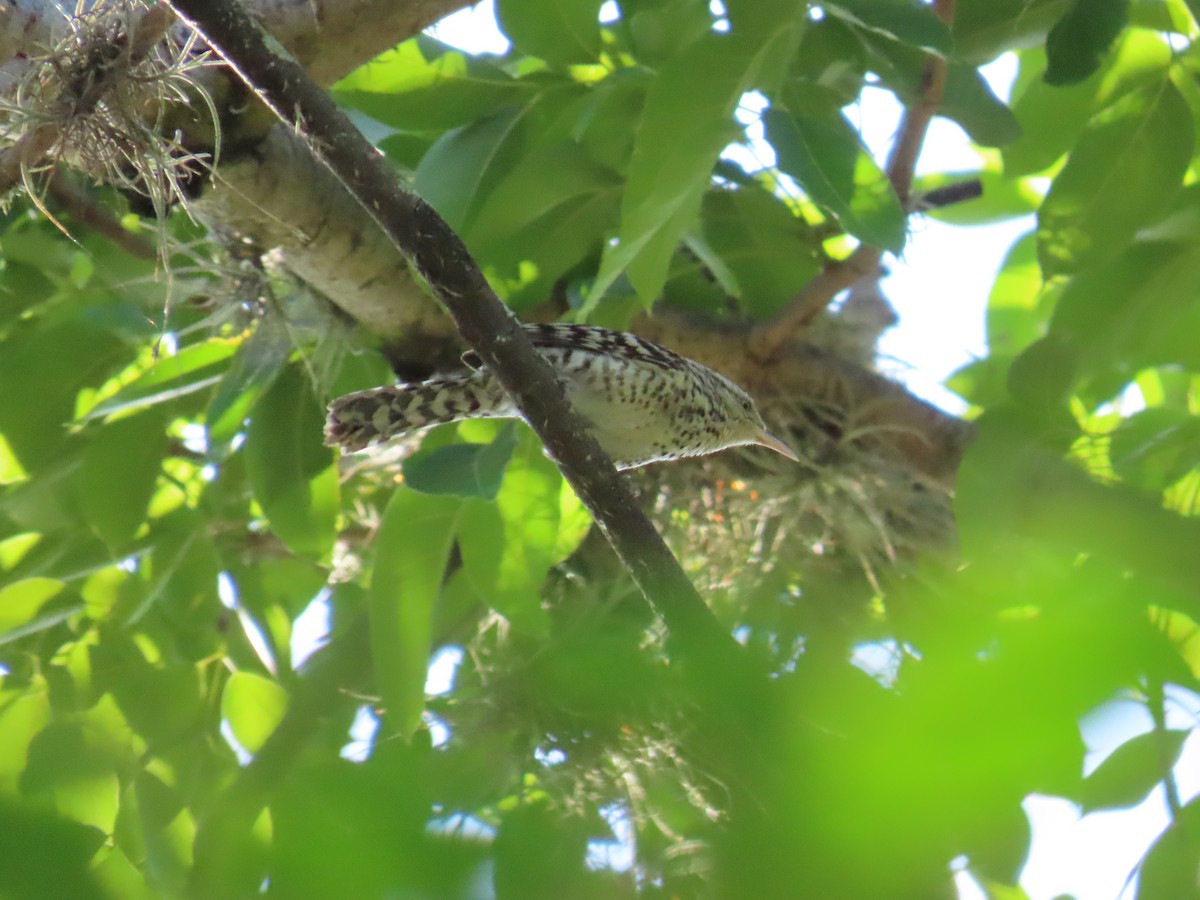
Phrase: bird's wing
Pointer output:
(593, 339)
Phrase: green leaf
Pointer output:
(897, 20)
(968, 99)
(761, 243)
(1168, 871)
(1132, 771)
(983, 29)
(423, 88)
(1013, 322)
(1078, 42)
(824, 156)
(542, 523)
(530, 191)
(453, 174)
(47, 855)
(20, 603)
(1156, 447)
(686, 122)
(540, 852)
(292, 474)
(258, 362)
(1139, 311)
(23, 715)
(411, 552)
(1128, 163)
(194, 368)
(1051, 117)
(462, 470)
(42, 369)
(253, 705)
(558, 31)
(121, 465)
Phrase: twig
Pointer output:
(84, 209)
(769, 338)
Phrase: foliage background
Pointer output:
(168, 511)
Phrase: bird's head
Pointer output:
(744, 424)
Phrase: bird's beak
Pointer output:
(763, 439)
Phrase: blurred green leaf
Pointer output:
(561, 31)
(1133, 313)
(827, 160)
(1001, 199)
(20, 602)
(1013, 317)
(1132, 771)
(983, 29)
(1051, 117)
(969, 100)
(899, 21)
(293, 475)
(40, 391)
(543, 522)
(23, 714)
(1154, 448)
(463, 470)
(526, 194)
(425, 87)
(1168, 871)
(121, 465)
(1128, 163)
(47, 855)
(411, 552)
(539, 853)
(254, 368)
(1079, 40)
(253, 706)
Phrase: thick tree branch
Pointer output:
(770, 338)
(488, 327)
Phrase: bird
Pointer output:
(643, 402)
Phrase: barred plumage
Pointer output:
(644, 402)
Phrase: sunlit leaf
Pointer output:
(825, 157)
(560, 31)
(411, 551)
(1129, 162)
(682, 131)
(292, 473)
(253, 706)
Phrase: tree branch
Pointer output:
(422, 236)
(70, 195)
(770, 337)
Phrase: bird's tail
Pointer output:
(367, 417)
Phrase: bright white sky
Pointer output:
(940, 289)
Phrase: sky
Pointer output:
(939, 288)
